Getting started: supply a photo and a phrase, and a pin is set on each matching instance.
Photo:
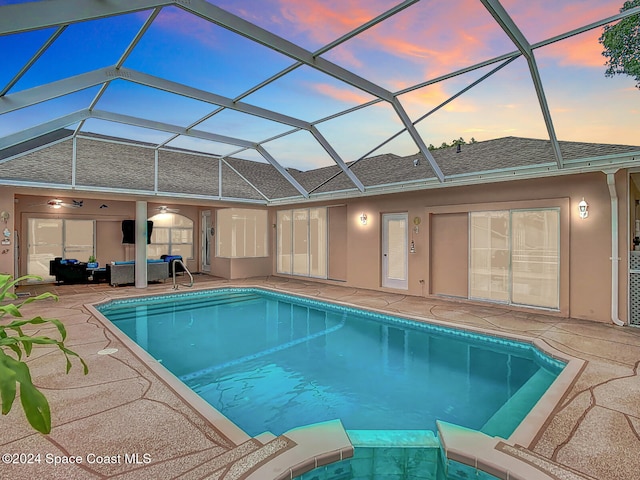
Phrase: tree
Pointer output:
(621, 43)
(13, 370)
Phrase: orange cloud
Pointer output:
(425, 99)
(352, 97)
(325, 21)
(582, 50)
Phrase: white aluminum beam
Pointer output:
(336, 158)
(242, 27)
(167, 127)
(503, 19)
(29, 16)
(249, 30)
(59, 88)
(411, 129)
(283, 171)
(32, 60)
(69, 85)
(202, 95)
(43, 128)
(220, 185)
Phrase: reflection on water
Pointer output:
(272, 365)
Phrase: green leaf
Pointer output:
(16, 349)
(59, 326)
(7, 384)
(42, 296)
(34, 403)
(36, 407)
(14, 372)
(27, 338)
(11, 309)
(6, 284)
(85, 368)
(21, 323)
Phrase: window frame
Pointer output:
(170, 229)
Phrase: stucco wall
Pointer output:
(585, 288)
(7, 252)
(109, 246)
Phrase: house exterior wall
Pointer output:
(449, 259)
(7, 252)
(585, 271)
(585, 284)
(108, 241)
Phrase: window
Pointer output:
(241, 233)
(302, 242)
(49, 238)
(172, 234)
(515, 257)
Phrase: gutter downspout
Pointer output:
(615, 259)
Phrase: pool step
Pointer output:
(508, 417)
(129, 312)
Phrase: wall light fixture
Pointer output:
(583, 209)
(363, 218)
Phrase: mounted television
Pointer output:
(129, 231)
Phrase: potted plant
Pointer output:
(15, 343)
(92, 262)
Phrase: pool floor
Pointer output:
(273, 362)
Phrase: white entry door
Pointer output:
(394, 250)
(207, 239)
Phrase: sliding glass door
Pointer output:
(514, 257)
(302, 242)
(48, 238)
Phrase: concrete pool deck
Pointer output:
(123, 407)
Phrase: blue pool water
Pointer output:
(272, 362)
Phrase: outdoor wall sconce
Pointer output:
(363, 218)
(583, 209)
(412, 247)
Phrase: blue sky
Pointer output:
(422, 42)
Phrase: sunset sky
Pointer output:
(420, 43)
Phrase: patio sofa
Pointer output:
(122, 273)
(68, 270)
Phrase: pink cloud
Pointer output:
(582, 50)
(545, 19)
(188, 25)
(326, 21)
(425, 99)
(431, 36)
(353, 97)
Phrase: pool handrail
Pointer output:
(173, 273)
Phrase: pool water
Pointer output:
(273, 362)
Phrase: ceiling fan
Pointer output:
(57, 203)
(165, 209)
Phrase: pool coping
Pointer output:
(525, 434)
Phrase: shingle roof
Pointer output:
(114, 163)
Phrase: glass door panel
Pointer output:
(489, 256)
(535, 257)
(394, 250)
(44, 243)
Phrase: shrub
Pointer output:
(13, 370)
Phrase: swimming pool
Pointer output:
(271, 362)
